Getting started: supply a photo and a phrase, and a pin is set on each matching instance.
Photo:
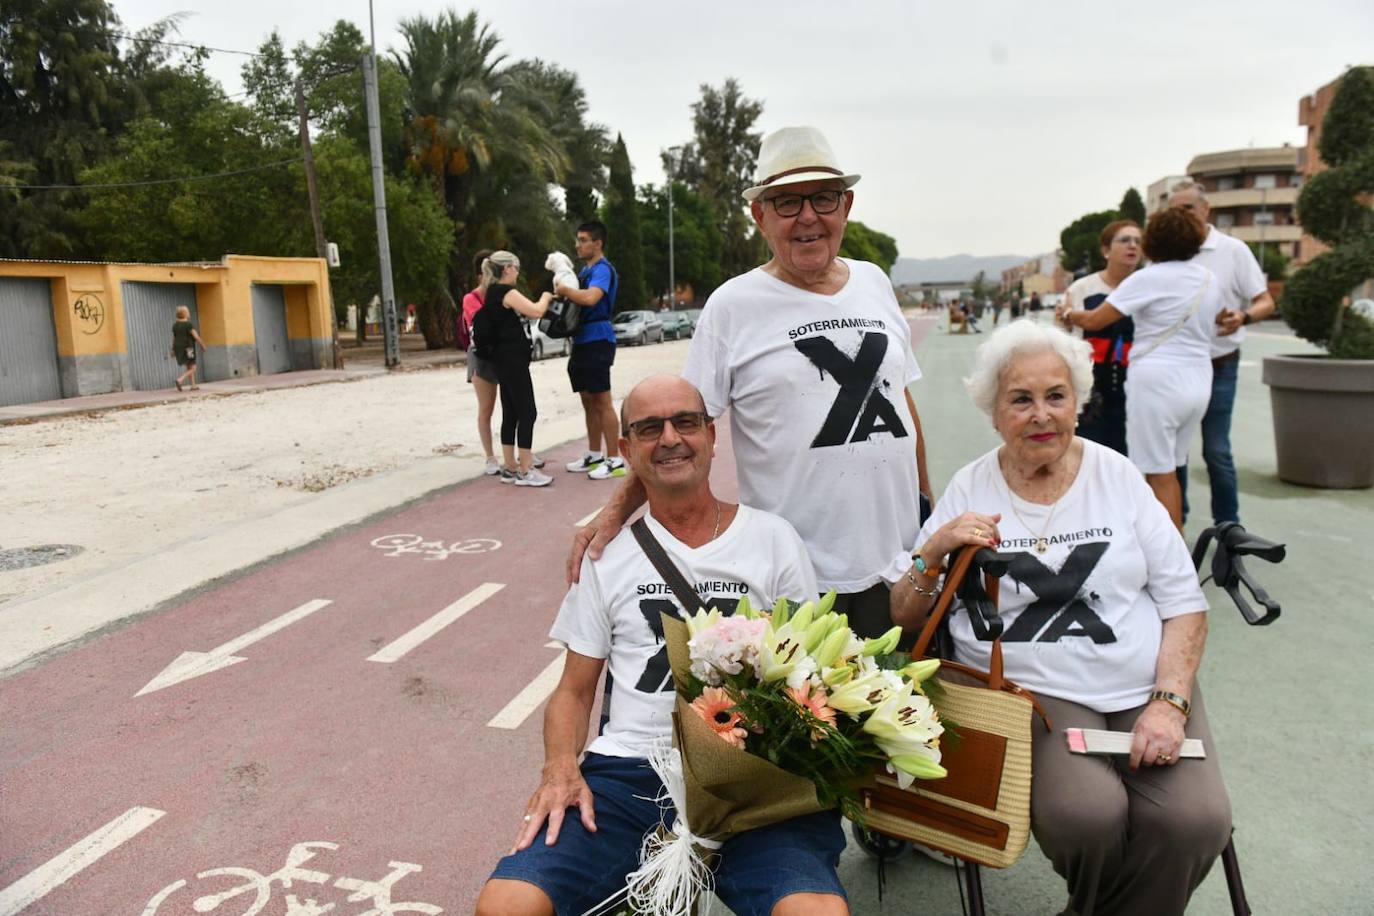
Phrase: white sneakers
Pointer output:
(584, 464)
(493, 466)
(611, 467)
(532, 478)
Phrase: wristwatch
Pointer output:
(1174, 700)
(1245, 317)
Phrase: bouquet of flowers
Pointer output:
(778, 714)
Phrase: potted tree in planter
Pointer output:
(1324, 405)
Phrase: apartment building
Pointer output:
(1252, 193)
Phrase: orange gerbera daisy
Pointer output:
(812, 698)
(718, 711)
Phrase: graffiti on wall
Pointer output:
(91, 312)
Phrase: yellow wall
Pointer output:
(88, 305)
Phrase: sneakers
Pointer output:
(584, 464)
(537, 462)
(532, 478)
(611, 467)
(507, 475)
(493, 467)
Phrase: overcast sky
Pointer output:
(979, 127)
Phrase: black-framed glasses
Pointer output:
(686, 423)
(827, 201)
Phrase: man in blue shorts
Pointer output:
(593, 353)
(582, 829)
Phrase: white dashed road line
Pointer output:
(536, 692)
(397, 649)
(61, 868)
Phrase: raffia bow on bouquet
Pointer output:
(777, 715)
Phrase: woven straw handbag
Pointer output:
(980, 812)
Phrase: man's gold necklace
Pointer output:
(717, 531)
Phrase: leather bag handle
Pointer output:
(672, 576)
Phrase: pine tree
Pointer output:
(1132, 207)
(621, 216)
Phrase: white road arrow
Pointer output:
(194, 664)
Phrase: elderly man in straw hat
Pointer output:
(812, 356)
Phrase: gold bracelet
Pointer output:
(926, 592)
(1174, 700)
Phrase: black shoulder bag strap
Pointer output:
(672, 576)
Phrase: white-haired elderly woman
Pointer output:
(1104, 620)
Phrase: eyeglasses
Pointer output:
(822, 202)
(686, 423)
(1127, 240)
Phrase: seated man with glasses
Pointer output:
(812, 356)
(582, 829)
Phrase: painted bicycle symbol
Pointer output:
(397, 545)
(376, 893)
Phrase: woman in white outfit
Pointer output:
(1174, 304)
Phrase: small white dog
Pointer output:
(561, 266)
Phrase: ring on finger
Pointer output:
(1162, 757)
(978, 532)
(528, 817)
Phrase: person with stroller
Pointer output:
(1103, 620)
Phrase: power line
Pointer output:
(153, 181)
(182, 44)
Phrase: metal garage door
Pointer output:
(149, 310)
(28, 343)
(269, 329)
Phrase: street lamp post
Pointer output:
(671, 158)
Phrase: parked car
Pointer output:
(693, 315)
(637, 327)
(676, 325)
(542, 345)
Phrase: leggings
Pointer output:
(517, 400)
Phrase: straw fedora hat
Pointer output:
(791, 155)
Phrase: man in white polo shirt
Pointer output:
(1245, 300)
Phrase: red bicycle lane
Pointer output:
(341, 723)
(317, 734)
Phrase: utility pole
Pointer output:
(391, 343)
(316, 219)
(671, 156)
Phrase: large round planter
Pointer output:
(1323, 419)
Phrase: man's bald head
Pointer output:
(654, 389)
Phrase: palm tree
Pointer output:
(481, 130)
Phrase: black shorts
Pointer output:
(589, 366)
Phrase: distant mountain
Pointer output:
(959, 268)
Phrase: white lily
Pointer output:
(921, 669)
(802, 672)
(780, 653)
(905, 726)
(828, 652)
(884, 644)
(834, 677)
(860, 694)
(801, 618)
(701, 620)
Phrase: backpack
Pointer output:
(483, 334)
(565, 317)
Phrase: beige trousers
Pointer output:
(1126, 843)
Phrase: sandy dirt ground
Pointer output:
(126, 483)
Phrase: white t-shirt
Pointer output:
(1159, 296)
(613, 612)
(1239, 279)
(1081, 621)
(1087, 293)
(816, 388)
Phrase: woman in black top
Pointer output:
(500, 335)
(184, 341)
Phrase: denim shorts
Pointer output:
(756, 869)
